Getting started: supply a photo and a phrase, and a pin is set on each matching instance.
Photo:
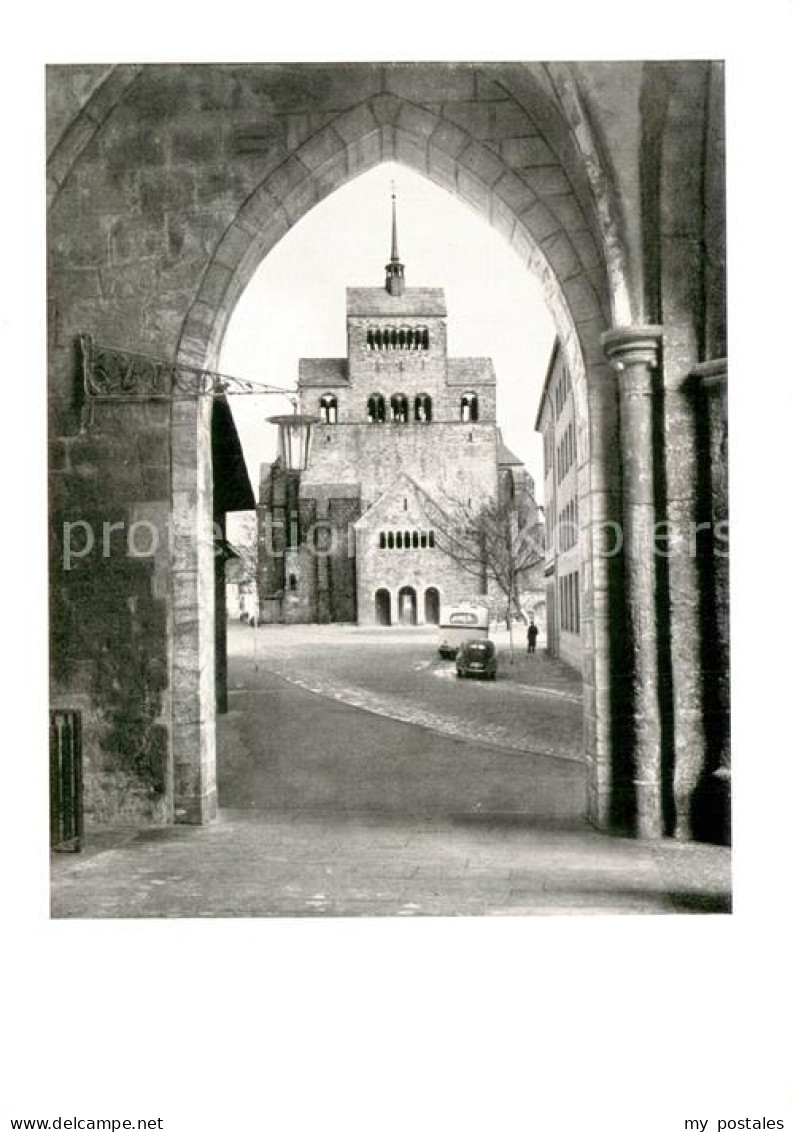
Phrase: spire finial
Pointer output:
(394, 271)
(394, 248)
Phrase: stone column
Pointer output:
(712, 376)
(321, 544)
(634, 351)
(193, 606)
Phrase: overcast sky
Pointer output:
(294, 305)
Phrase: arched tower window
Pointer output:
(399, 408)
(422, 409)
(375, 409)
(328, 408)
(469, 408)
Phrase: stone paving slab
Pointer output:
(260, 867)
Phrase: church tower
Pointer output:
(402, 428)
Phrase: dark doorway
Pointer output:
(382, 607)
(407, 606)
(432, 606)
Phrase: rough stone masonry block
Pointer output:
(133, 239)
(528, 151)
(356, 123)
(482, 162)
(163, 190)
(450, 138)
(540, 221)
(502, 218)
(321, 147)
(301, 199)
(435, 83)
(410, 152)
(214, 284)
(386, 108)
(286, 177)
(562, 256)
(474, 191)
(547, 180)
(514, 192)
(414, 120)
(442, 169)
(332, 175)
(364, 153)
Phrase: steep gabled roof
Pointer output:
(506, 457)
(399, 486)
(375, 302)
(322, 371)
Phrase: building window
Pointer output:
(390, 540)
(469, 408)
(400, 338)
(422, 408)
(328, 408)
(293, 581)
(432, 538)
(399, 408)
(383, 541)
(375, 409)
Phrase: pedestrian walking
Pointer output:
(532, 637)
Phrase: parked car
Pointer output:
(458, 624)
(477, 658)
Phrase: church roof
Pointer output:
(401, 485)
(421, 302)
(506, 457)
(470, 371)
(322, 371)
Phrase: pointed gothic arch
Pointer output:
(562, 224)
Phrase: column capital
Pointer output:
(628, 346)
(712, 375)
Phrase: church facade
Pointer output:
(404, 438)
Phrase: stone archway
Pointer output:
(387, 127)
(432, 606)
(207, 198)
(382, 607)
(407, 606)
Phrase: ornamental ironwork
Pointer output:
(112, 374)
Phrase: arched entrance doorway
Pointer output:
(382, 607)
(407, 606)
(432, 606)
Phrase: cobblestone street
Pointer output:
(534, 706)
(354, 780)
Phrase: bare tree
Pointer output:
(495, 541)
(245, 544)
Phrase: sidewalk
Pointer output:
(249, 864)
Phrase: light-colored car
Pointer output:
(458, 624)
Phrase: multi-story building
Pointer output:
(556, 421)
(405, 436)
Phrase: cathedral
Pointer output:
(403, 439)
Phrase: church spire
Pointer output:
(394, 271)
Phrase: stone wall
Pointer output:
(110, 654)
